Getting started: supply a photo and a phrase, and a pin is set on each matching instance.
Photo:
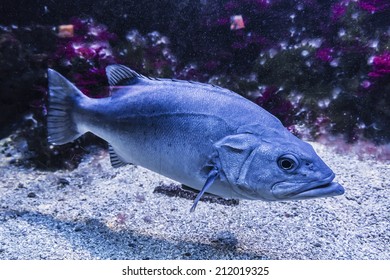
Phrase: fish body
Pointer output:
(201, 135)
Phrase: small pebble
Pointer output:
(224, 239)
(63, 181)
(78, 228)
(31, 195)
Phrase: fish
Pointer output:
(201, 135)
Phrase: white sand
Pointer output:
(97, 212)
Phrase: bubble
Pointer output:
(295, 98)
(292, 31)
(305, 53)
(262, 61)
(366, 84)
(373, 43)
(315, 43)
(361, 125)
(335, 62)
(163, 41)
(324, 103)
(123, 52)
(272, 53)
(283, 45)
(131, 35)
(336, 92)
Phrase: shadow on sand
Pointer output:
(104, 243)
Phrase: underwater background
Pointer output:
(321, 67)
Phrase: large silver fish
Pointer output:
(201, 135)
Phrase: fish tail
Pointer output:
(64, 97)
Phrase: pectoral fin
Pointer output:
(213, 174)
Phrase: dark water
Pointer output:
(322, 67)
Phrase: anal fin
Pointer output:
(116, 161)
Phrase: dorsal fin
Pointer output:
(120, 75)
(116, 161)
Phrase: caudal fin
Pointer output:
(64, 97)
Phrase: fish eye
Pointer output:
(287, 162)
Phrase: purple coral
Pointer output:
(381, 66)
(273, 101)
(88, 29)
(338, 10)
(325, 54)
(86, 54)
(374, 5)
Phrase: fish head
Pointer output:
(282, 167)
(303, 174)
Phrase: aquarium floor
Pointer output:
(97, 212)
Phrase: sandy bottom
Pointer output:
(97, 212)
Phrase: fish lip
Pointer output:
(320, 188)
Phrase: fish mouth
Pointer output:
(298, 190)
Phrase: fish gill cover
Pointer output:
(322, 67)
